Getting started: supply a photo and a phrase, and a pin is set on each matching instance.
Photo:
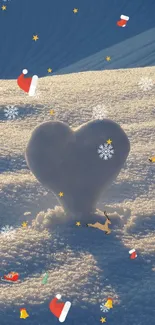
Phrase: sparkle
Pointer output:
(61, 194)
(35, 37)
(109, 141)
(75, 10)
(52, 112)
(24, 224)
(103, 320)
(78, 223)
(108, 58)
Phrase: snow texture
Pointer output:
(146, 83)
(8, 232)
(84, 265)
(99, 112)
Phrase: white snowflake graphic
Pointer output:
(99, 112)
(104, 308)
(105, 151)
(146, 83)
(11, 112)
(8, 232)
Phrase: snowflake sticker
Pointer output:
(11, 112)
(99, 112)
(105, 151)
(146, 83)
(104, 308)
(8, 232)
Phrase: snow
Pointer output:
(99, 112)
(8, 232)
(146, 83)
(84, 265)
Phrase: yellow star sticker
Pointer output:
(52, 112)
(103, 320)
(152, 159)
(35, 37)
(3, 7)
(78, 223)
(109, 141)
(108, 58)
(49, 70)
(24, 224)
(75, 10)
(61, 194)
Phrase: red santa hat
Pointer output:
(59, 309)
(27, 84)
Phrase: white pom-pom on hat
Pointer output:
(58, 296)
(25, 71)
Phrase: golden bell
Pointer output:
(108, 304)
(23, 313)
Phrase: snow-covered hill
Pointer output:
(84, 265)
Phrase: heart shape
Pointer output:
(79, 163)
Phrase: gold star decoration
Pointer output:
(75, 10)
(152, 159)
(103, 320)
(52, 112)
(108, 58)
(109, 141)
(61, 194)
(35, 37)
(78, 223)
(3, 7)
(24, 224)
(49, 70)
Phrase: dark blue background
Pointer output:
(65, 37)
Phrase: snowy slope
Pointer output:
(66, 38)
(84, 265)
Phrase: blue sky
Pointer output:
(66, 38)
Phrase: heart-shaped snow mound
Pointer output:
(79, 163)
